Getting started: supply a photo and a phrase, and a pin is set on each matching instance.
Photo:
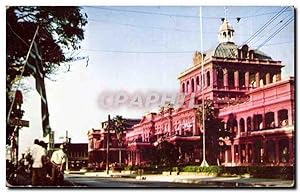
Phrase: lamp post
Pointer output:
(204, 162)
(107, 145)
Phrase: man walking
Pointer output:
(37, 152)
(58, 160)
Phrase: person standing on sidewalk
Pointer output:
(58, 160)
(37, 152)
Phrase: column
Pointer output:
(290, 118)
(214, 78)
(278, 77)
(236, 80)
(247, 79)
(268, 78)
(276, 118)
(276, 151)
(238, 127)
(264, 156)
(226, 157)
(246, 153)
(257, 79)
(240, 153)
(225, 76)
(291, 151)
(190, 86)
(232, 154)
(263, 120)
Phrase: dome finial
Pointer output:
(225, 12)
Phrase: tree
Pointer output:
(59, 36)
(118, 125)
(215, 132)
(166, 154)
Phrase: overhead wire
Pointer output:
(170, 15)
(277, 31)
(264, 26)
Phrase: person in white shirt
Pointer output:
(37, 152)
(58, 160)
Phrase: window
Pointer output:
(208, 78)
(242, 125)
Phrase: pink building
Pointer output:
(97, 145)
(246, 85)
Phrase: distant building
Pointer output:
(77, 155)
(97, 148)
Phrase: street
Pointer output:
(122, 182)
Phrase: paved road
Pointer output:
(86, 181)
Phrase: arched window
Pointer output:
(230, 78)
(242, 125)
(197, 83)
(249, 124)
(193, 86)
(208, 78)
(220, 78)
(183, 87)
(269, 120)
(187, 86)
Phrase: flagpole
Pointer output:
(27, 56)
(204, 162)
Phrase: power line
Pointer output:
(163, 52)
(263, 27)
(277, 31)
(146, 27)
(172, 15)
(278, 43)
(139, 52)
(269, 31)
(158, 28)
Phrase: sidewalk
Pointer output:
(235, 181)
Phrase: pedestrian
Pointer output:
(37, 152)
(58, 160)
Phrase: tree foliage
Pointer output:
(61, 29)
(118, 125)
(166, 153)
(60, 32)
(214, 130)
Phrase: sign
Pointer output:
(19, 122)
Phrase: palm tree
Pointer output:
(214, 131)
(118, 125)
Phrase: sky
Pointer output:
(138, 49)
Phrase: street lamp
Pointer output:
(204, 162)
(107, 145)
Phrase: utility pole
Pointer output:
(67, 157)
(107, 145)
(204, 162)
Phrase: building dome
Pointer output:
(223, 50)
(231, 50)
